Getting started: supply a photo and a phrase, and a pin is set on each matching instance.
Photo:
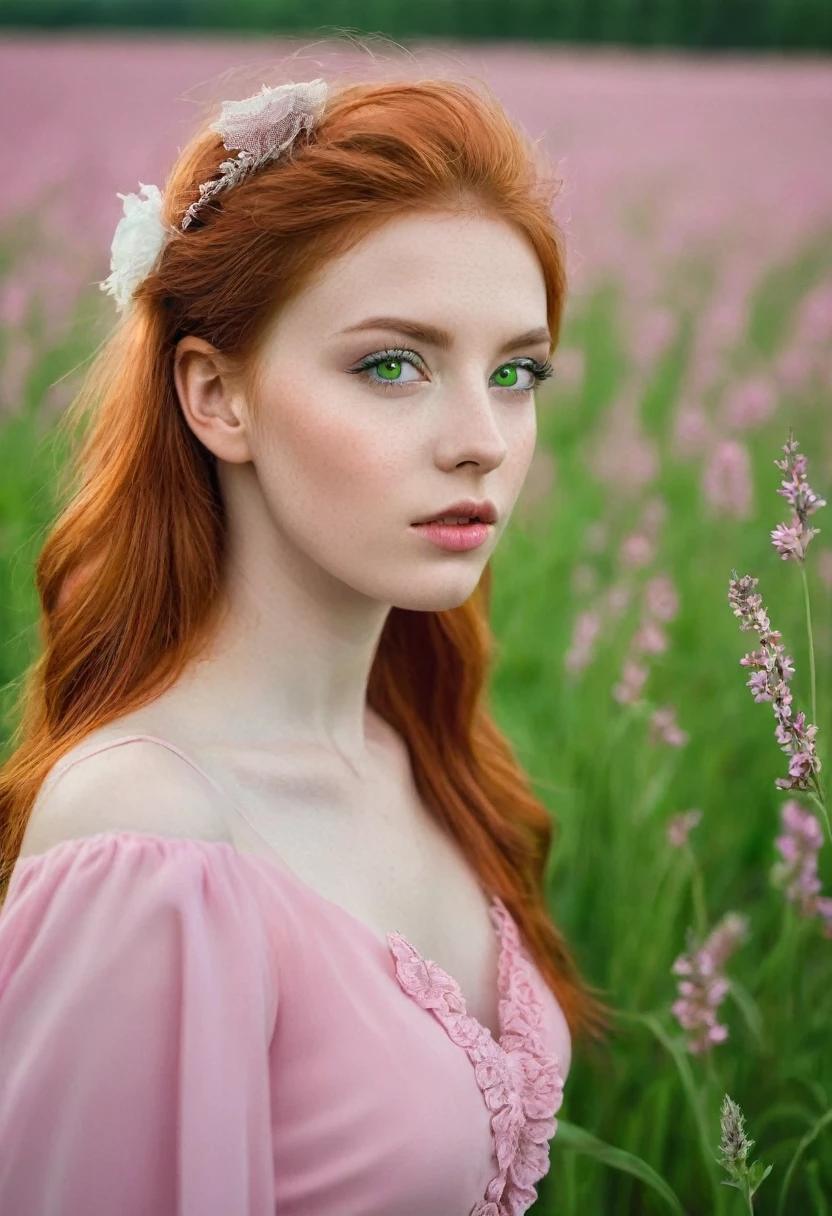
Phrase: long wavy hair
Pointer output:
(130, 575)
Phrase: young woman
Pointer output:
(274, 938)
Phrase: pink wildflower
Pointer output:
(771, 683)
(654, 332)
(633, 677)
(797, 871)
(692, 431)
(662, 598)
(823, 908)
(650, 638)
(704, 984)
(665, 728)
(750, 403)
(623, 456)
(14, 301)
(637, 550)
(726, 480)
(791, 540)
(586, 629)
(680, 826)
(794, 368)
(731, 931)
(814, 322)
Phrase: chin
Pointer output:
(438, 593)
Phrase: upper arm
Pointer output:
(138, 1000)
(137, 786)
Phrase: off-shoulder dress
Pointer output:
(187, 1029)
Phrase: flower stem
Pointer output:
(698, 891)
(781, 949)
(713, 1082)
(811, 641)
(821, 804)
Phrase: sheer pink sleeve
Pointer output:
(137, 1002)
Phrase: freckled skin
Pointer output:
(324, 477)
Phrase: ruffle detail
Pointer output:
(520, 1081)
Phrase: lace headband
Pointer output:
(259, 128)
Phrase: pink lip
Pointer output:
(484, 511)
(454, 536)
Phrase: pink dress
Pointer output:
(191, 1030)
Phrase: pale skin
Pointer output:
(321, 487)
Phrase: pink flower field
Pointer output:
(662, 158)
(657, 153)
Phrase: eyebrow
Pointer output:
(434, 336)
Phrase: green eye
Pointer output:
(386, 367)
(507, 370)
(390, 369)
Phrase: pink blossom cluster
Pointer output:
(791, 540)
(749, 402)
(805, 358)
(665, 729)
(704, 984)
(637, 550)
(680, 826)
(623, 456)
(726, 481)
(797, 870)
(659, 605)
(771, 683)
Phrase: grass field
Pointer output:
(699, 332)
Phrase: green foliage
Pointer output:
(623, 896)
(727, 24)
(575, 1140)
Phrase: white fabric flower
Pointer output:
(137, 243)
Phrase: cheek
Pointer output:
(522, 444)
(314, 456)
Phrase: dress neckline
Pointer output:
(520, 1081)
(496, 909)
(279, 866)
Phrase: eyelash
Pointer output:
(540, 371)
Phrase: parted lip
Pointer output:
(484, 510)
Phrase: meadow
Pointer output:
(697, 204)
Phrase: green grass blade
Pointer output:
(576, 1140)
(689, 1086)
(749, 1009)
(811, 1135)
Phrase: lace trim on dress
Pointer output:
(520, 1081)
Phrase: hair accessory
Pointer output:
(259, 128)
(137, 243)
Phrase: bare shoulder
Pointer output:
(137, 786)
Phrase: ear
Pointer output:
(211, 399)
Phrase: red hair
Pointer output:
(130, 575)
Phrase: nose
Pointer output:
(470, 430)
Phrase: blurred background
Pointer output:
(692, 140)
